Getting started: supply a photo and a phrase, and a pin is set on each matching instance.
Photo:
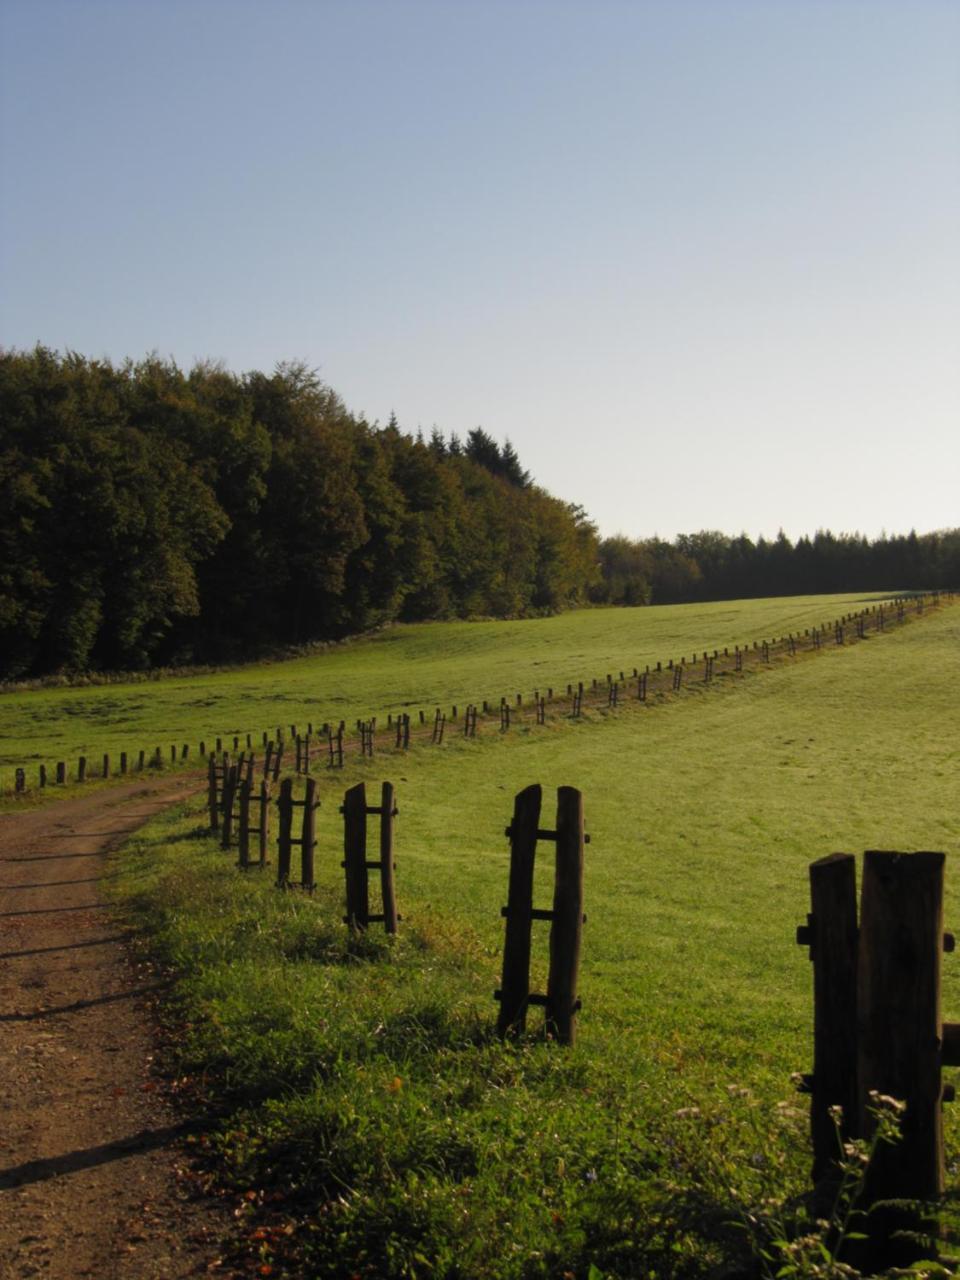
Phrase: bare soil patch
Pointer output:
(89, 1145)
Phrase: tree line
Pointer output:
(151, 516)
(714, 566)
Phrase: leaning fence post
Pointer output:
(514, 993)
(831, 934)
(901, 939)
(567, 925)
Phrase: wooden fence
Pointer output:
(878, 1034)
(659, 681)
(566, 916)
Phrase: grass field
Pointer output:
(402, 668)
(372, 1125)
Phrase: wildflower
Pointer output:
(883, 1100)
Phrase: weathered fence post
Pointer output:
(308, 839)
(355, 856)
(231, 778)
(898, 993)
(81, 768)
(879, 1037)
(284, 832)
(356, 864)
(388, 812)
(566, 926)
(212, 805)
(243, 824)
(831, 934)
(61, 772)
(514, 993)
(566, 917)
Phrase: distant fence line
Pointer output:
(328, 744)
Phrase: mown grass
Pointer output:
(369, 1120)
(401, 668)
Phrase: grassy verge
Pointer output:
(369, 1122)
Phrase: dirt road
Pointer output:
(87, 1143)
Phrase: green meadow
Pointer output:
(367, 1119)
(401, 668)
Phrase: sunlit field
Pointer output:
(364, 1089)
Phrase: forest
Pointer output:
(155, 517)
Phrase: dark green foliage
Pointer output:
(154, 516)
(712, 566)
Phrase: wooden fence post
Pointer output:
(901, 939)
(388, 812)
(514, 993)
(61, 772)
(284, 832)
(879, 1035)
(355, 856)
(231, 777)
(243, 824)
(831, 934)
(356, 864)
(263, 825)
(567, 925)
(308, 839)
(566, 917)
(81, 769)
(212, 794)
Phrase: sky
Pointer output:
(699, 260)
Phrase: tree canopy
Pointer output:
(151, 515)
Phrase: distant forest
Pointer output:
(150, 516)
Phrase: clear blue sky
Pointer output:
(699, 261)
